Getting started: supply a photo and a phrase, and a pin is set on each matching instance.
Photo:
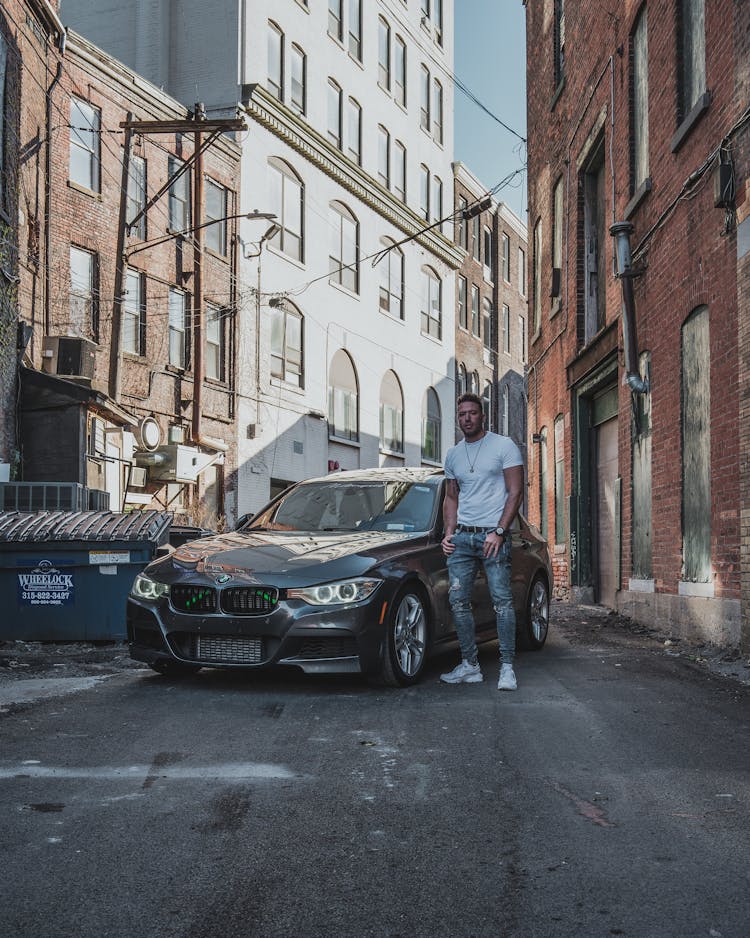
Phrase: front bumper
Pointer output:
(331, 640)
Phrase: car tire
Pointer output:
(174, 669)
(406, 641)
(534, 633)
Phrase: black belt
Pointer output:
(473, 528)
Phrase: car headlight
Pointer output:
(145, 588)
(332, 594)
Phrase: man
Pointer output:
(484, 488)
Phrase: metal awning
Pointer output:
(24, 526)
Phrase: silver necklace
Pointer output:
(472, 464)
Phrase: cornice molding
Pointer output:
(274, 116)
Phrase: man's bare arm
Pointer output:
(450, 507)
(514, 486)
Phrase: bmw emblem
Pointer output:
(223, 578)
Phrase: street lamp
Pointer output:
(267, 236)
(250, 216)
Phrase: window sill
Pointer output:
(398, 453)
(685, 128)
(304, 6)
(84, 190)
(537, 335)
(556, 307)
(401, 320)
(358, 62)
(277, 252)
(217, 383)
(345, 290)
(344, 440)
(638, 196)
(217, 254)
(134, 357)
(277, 382)
(436, 463)
(432, 338)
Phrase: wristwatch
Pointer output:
(500, 531)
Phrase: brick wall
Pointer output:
(687, 260)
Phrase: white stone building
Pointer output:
(349, 107)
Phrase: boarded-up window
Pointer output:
(594, 243)
(559, 480)
(642, 479)
(696, 448)
(640, 100)
(543, 482)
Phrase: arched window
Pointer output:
(461, 379)
(298, 95)
(391, 413)
(335, 99)
(343, 256)
(432, 304)
(343, 397)
(431, 426)
(474, 383)
(354, 131)
(287, 344)
(287, 197)
(392, 280)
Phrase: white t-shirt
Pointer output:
(482, 493)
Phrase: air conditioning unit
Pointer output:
(138, 476)
(69, 355)
(43, 496)
(98, 500)
(175, 463)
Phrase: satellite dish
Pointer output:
(148, 434)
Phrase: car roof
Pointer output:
(384, 474)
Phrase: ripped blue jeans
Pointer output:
(463, 566)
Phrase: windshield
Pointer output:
(344, 506)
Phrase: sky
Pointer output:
(490, 60)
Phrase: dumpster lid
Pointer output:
(105, 526)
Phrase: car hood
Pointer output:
(283, 559)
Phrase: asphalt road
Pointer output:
(608, 796)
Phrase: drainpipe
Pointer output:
(621, 232)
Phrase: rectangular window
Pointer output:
(334, 113)
(177, 329)
(437, 16)
(298, 96)
(437, 199)
(432, 313)
(640, 101)
(355, 29)
(399, 170)
(336, 19)
(595, 240)
(85, 123)
(696, 448)
(134, 313)
(276, 61)
(136, 196)
(505, 416)
(384, 157)
(557, 234)
(83, 305)
(489, 257)
(424, 192)
(214, 349)
(437, 111)
(559, 36)
(286, 198)
(400, 71)
(537, 276)
(524, 339)
(354, 131)
(343, 257)
(463, 313)
(693, 54)
(476, 238)
(286, 346)
(384, 54)
(475, 309)
(522, 271)
(215, 235)
(506, 328)
(179, 196)
(463, 224)
(487, 323)
(424, 98)
(506, 257)
(391, 428)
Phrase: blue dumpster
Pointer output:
(65, 575)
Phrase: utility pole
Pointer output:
(198, 125)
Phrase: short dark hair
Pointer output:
(470, 398)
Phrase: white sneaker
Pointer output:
(463, 673)
(507, 678)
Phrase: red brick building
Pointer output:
(107, 391)
(635, 122)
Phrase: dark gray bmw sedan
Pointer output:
(341, 574)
